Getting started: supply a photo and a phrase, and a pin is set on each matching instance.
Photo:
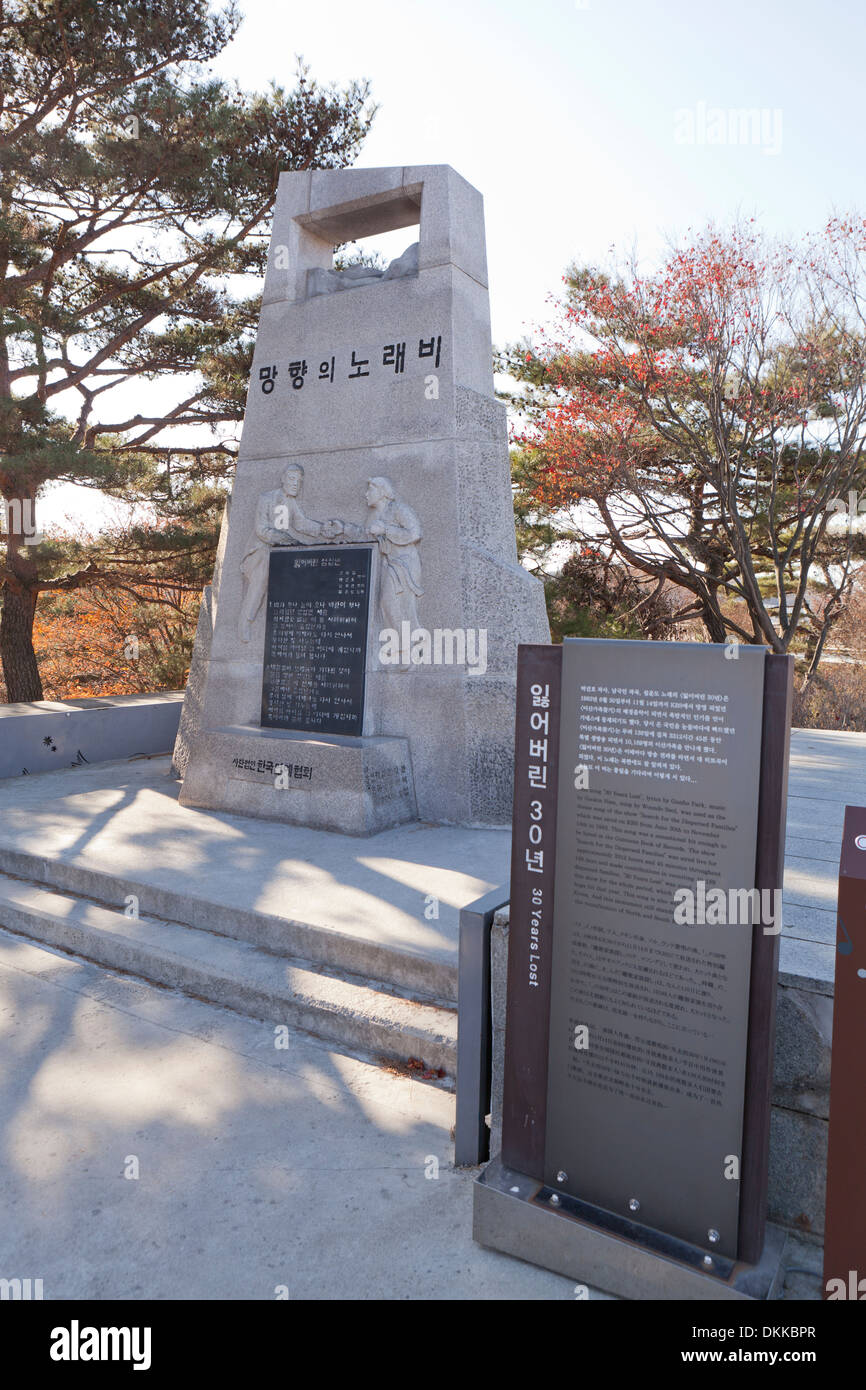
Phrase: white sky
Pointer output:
(564, 114)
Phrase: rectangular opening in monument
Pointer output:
(385, 211)
(314, 672)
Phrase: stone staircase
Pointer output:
(247, 962)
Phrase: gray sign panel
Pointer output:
(660, 751)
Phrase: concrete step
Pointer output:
(291, 935)
(341, 1009)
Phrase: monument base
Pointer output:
(355, 786)
(513, 1213)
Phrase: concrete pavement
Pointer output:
(259, 1169)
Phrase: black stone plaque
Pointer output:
(660, 760)
(316, 639)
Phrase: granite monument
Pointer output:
(317, 696)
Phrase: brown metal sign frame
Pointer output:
(530, 935)
(845, 1229)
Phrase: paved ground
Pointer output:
(257, 1167)
(260, 1169)
(828, 772)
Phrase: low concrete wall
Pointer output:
(50, 734)
(801, 1088)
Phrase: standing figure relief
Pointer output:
(390, 523)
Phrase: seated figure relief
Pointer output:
(321, 281)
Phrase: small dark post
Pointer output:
(845, 1237)
(474, 1024)
(769, 871)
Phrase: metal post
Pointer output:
(474, 1028)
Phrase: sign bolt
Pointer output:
(633, 1204)
(708, 1261)
(713, 1235)
(554, 1199)
(562, 1176)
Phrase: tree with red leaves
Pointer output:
(698, 425)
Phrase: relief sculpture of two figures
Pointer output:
(391, 524)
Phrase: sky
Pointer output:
(571, 116)
(588, 124)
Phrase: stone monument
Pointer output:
(355, 667)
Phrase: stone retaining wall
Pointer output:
(47, 735)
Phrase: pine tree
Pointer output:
(135, 191)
